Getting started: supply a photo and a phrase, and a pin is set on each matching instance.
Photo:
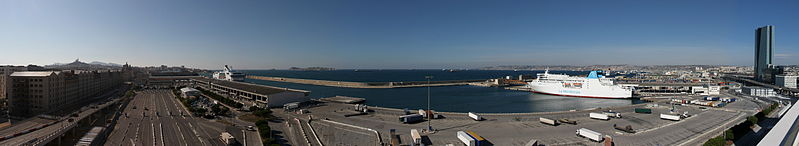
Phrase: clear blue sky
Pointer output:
(392, 34)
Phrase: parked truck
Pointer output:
(568, 121)
(417, 139)
(590, 134)
(670, 117)
(548, 121)
(410, 118)
(470, 138)
(428, 114)
(475, 116)
(643, 110)
(612, 114)
(628, 128)
(599, 116)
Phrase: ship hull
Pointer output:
(606, 93)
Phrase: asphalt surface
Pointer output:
(516, 129)
(156, 118)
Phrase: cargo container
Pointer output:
(612, 114)
(590, 134)
(548, 121)
(598, 116)
(470, 138)
(643, 110)
(426, 113)
(670, 117)
(708, 98)
(410, 118)
(475, 116)
(568, 121)
(417, 139)
(628, 128)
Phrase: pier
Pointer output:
(348, 84)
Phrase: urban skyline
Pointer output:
(416, 35)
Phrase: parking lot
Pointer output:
(518, 128)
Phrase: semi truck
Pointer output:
(628, 128)
(612, 114)
(410, 118)
(417, 139)
(548, 121)
(643, 110)
(599, 116)
(470, 138)
(590, 134)
(475, 116)
(227, 139)
(670, 117)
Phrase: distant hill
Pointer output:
(77, 64)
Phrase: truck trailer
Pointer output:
(475, 116)
(417, 139)
(643, 110)
(599, 116)
(470, 138)
(410, 118)
(590, 134)
(670, 117)
(548, 121)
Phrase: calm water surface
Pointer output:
(447, 98)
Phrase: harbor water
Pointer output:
(444, 98)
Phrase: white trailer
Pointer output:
(548, 121)
(670, 117)
(470, 138)
(417, 139)
(598, 116)
(590, 134)
(475, 116)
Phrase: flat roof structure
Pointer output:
(249, 87)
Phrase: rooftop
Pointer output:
(33, 73)
(249, 87)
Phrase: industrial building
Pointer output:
(706, 90)
(758, 91)
(259, 95)
(6, 71)
(786, 81)
(38, 92)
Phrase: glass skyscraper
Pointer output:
(764, 43)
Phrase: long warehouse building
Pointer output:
(261, 95)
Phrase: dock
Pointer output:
(344, 99)
(348, 84)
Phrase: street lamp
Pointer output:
(429, 116)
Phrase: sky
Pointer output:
(393, 34)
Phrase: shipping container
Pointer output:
(643, 110)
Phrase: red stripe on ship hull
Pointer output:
(578, 96)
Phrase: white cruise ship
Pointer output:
(593, 86)
(229, 74)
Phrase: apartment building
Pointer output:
(5, 71)
(37, 92)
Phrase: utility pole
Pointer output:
(429, 116)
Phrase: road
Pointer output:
(155, 117)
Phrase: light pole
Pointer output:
(429, 116)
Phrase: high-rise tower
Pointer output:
(764, 50)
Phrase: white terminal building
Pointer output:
(189, 92)
(786, 81)
(253, 94)
(758, 91)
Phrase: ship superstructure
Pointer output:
(592, 86)
(229, 74)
